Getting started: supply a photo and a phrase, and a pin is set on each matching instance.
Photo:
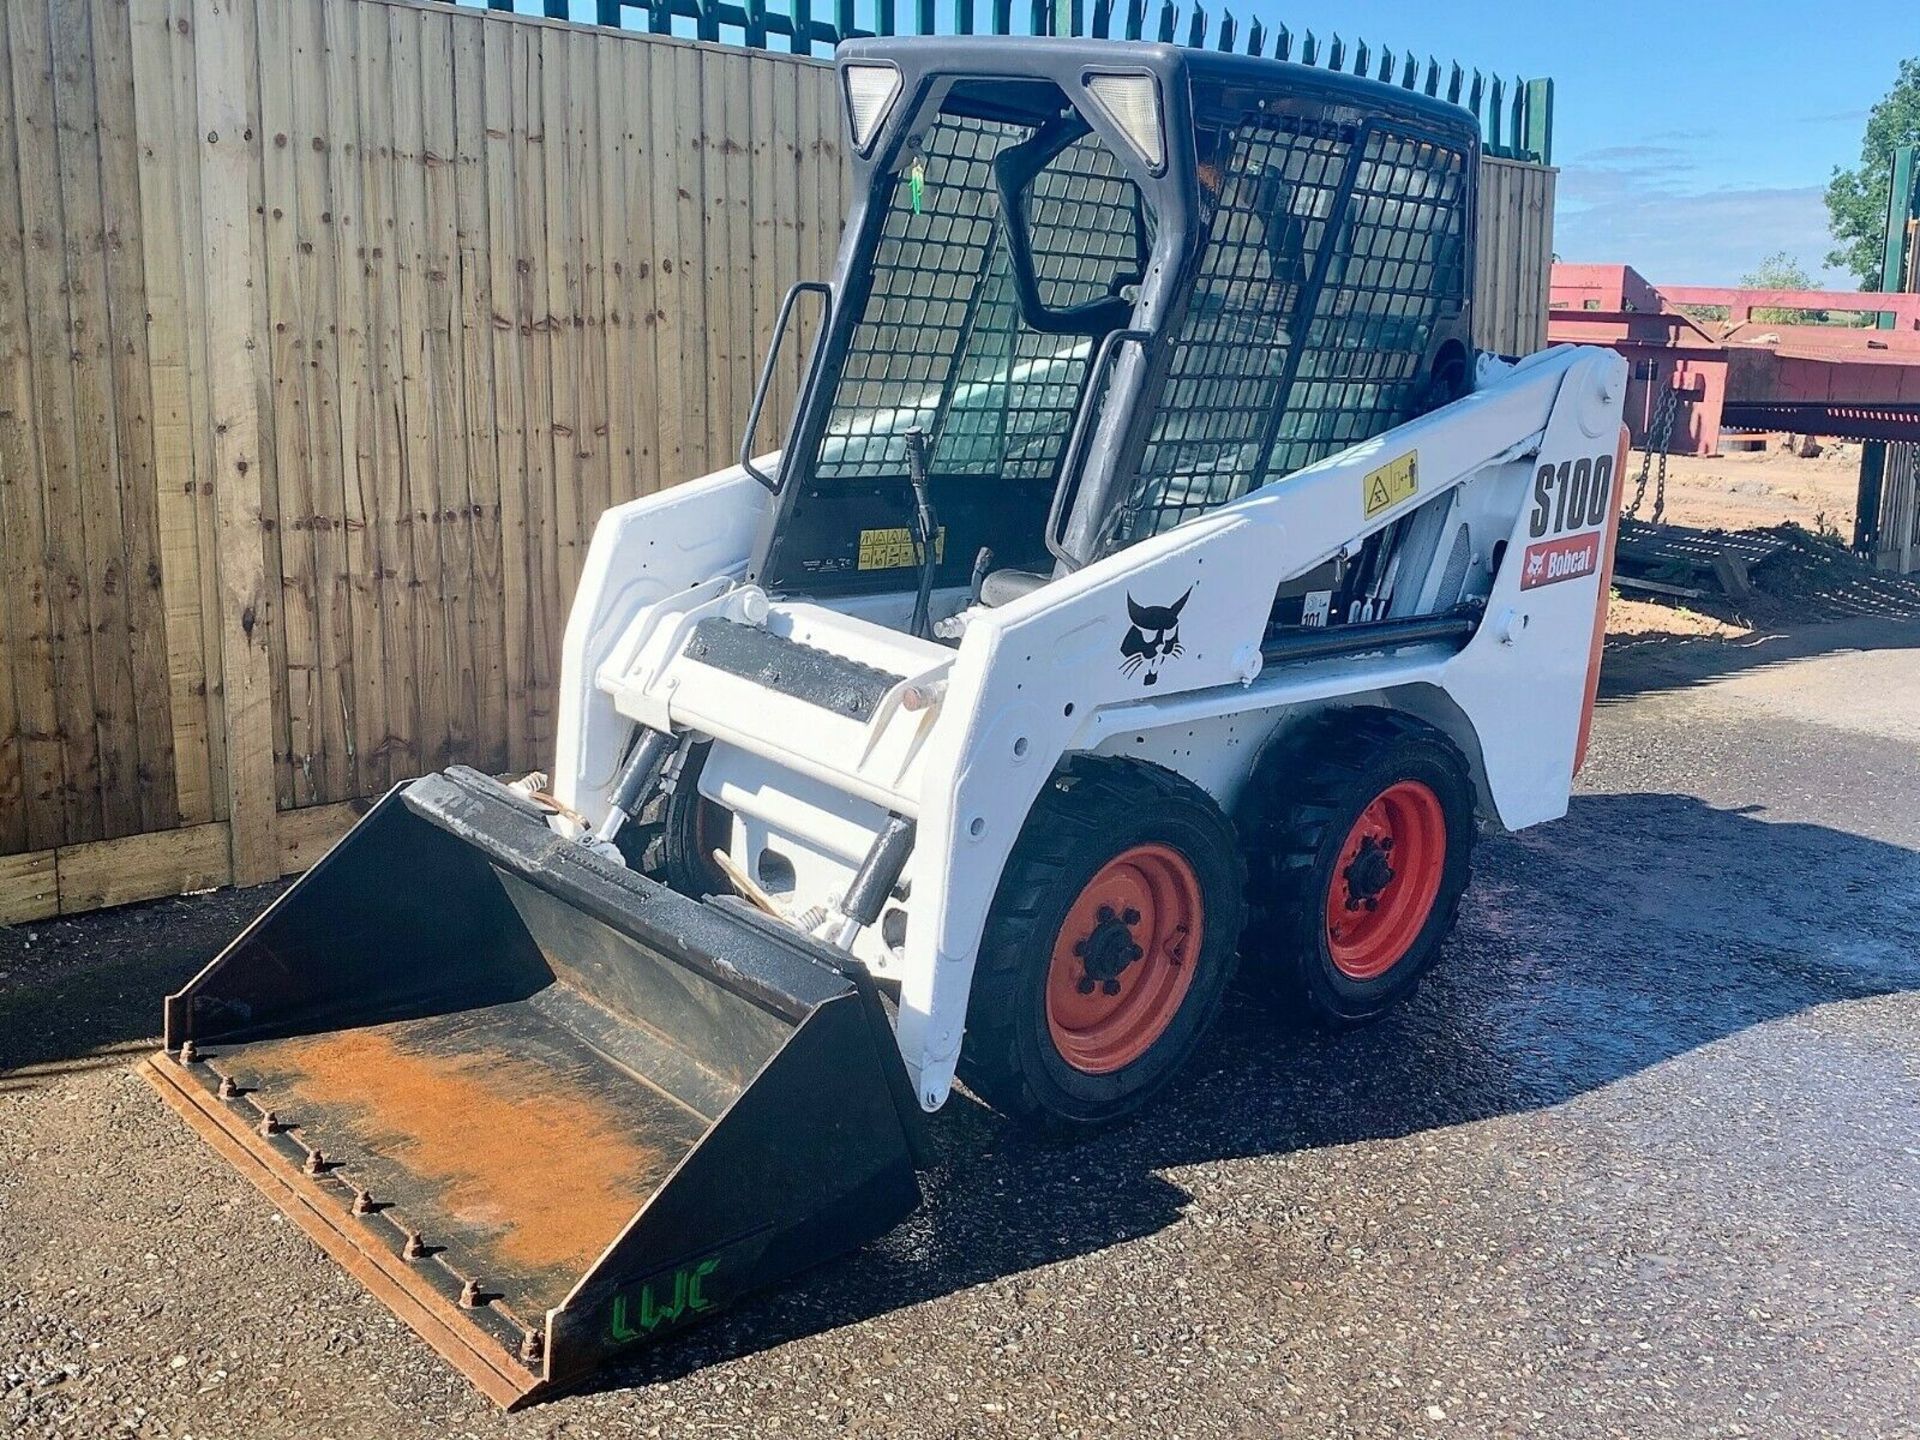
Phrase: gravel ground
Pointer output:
(1641, 1159)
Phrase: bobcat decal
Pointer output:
(1152, 639)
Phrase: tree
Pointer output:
(1781, 271)
(1857, 199)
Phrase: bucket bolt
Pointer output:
(362, 1203)
(1108, 949)
(1368, 874)
(228, 1090)
(189, 1052)
(269, 1124)
(470, 1295)
(316, 1163)
(415, 1248)
(533, 1347)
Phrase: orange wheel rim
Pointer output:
(1385, 881)
(1123, 960)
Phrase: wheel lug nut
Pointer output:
(1134, 952)
(1104, 914)
(1130, 916)
(1085, 985)
(1110, 987)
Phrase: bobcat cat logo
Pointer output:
(1152, 639)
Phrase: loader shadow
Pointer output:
(1638, 929)
(1641, 927)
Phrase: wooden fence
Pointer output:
(327, 329)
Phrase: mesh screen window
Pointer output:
(941, 342)
(1241, 407)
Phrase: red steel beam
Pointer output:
(1741, 304)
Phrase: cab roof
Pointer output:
(1218, 79)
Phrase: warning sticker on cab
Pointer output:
(1571, 557)
(894, 549)
(1390, 484)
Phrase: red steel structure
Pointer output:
(1840, 382)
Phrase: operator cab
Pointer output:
(1089, 290)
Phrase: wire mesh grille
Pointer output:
(1272, 195)
(1401, 253)
(941, 343)
(1240, 407)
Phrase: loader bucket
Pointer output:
(541, 1106)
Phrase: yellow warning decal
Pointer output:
(1391, 483)
(894, 549)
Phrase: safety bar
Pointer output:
(1067, 487)
(794, 292)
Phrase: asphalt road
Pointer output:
(1642, 1159)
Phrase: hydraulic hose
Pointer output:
(929, 527)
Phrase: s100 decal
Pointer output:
(1570, 500)
(1572, 495)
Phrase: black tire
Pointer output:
(1086, 816)
(692, 826)
(1307, 792)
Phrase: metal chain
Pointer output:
(1659, 437)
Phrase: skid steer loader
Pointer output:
(1154, 577)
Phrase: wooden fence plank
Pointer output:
(361, 558)
(29, 887)
(447, 486)
(613, 134)
(588, 292)
(505, 118)
(164, 145)
(486, 622)
(561, 272)
(228, 243)
(671, 167)
(141, 867)
(330, 776)
(290, 341)
(45, 256)
(38, 758)
(97, 458)
(548, 456)
(385, 329)
(183, 67)
(640, 252)
(419, 507)
(130, 374)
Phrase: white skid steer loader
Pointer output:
(1153, 577)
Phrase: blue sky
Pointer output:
(1693, 139)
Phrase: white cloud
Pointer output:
(1646, 206)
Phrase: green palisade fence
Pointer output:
(1516, 116)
